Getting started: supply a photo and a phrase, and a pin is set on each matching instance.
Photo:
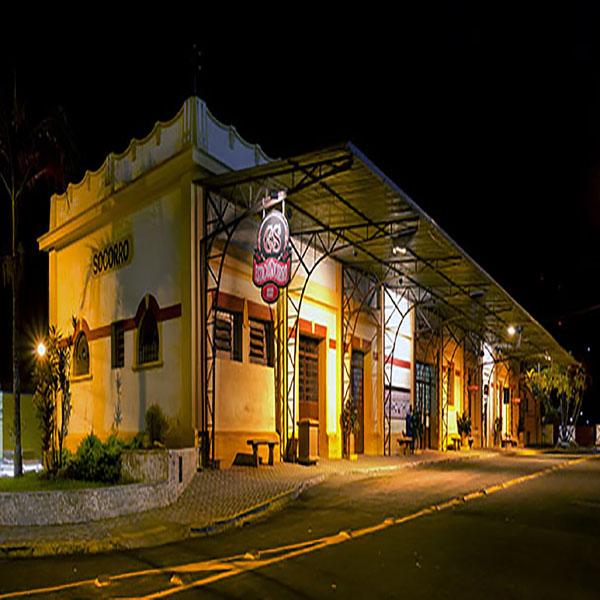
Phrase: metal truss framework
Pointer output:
(359, 296)
(223, 213)
(228, 205)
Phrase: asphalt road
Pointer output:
(420, 533)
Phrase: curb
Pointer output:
(276, 502)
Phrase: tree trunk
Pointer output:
(18, 459)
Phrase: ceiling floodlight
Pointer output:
(401, 239)
(511, 330)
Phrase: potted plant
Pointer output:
(350, 426)
(463, 423)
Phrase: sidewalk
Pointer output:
(212, 502)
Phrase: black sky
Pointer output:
(489, 119)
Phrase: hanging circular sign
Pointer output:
(271, 268)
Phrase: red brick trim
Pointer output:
(99, 332)
(305, 326)
(230, 302)
(141, 309)
(82, 325)
(170, 312)
(259, 311)
(320, 330)
(397, 362)
(161, 314)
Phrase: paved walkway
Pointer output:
(213, 501)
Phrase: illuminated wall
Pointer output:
(145, 195)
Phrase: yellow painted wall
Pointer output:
(453, 357)
(366, 329)
(246, 394)
(156, 268)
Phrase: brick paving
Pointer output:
(213, 500)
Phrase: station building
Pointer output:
(151, 274)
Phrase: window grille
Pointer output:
(117, 345)
(425, 387)
(308, 377)
(81, 355)
(357, 368)
(148, 339)
(228, 335)
(261, 342)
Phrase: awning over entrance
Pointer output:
(339, 194)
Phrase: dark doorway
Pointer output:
(308, 376)
(425, 384)
(357, 388)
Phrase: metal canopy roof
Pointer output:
(338, 192)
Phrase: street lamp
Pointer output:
(41, 349)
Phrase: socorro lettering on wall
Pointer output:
(271, 268)
(113, 256)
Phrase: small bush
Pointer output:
(110, 461)
(156, 425)
(95, 461)
(135, 443)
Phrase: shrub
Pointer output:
(83, 464)
(156, 425)
(95, 461)
(135, 443)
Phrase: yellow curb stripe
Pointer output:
(138, 534)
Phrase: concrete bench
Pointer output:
(455, 442)
(256, 443)
(508, 440)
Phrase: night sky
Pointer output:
(489, 120)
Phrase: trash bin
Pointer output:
(308, 441)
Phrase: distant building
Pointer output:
(30, 434)
(152, 254)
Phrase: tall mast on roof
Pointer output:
(196, 67)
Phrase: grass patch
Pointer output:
(36, 482)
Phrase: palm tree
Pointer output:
(29, 152)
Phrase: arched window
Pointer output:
(81, 355)
(148, 339)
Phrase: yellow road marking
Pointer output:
(237, 564)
